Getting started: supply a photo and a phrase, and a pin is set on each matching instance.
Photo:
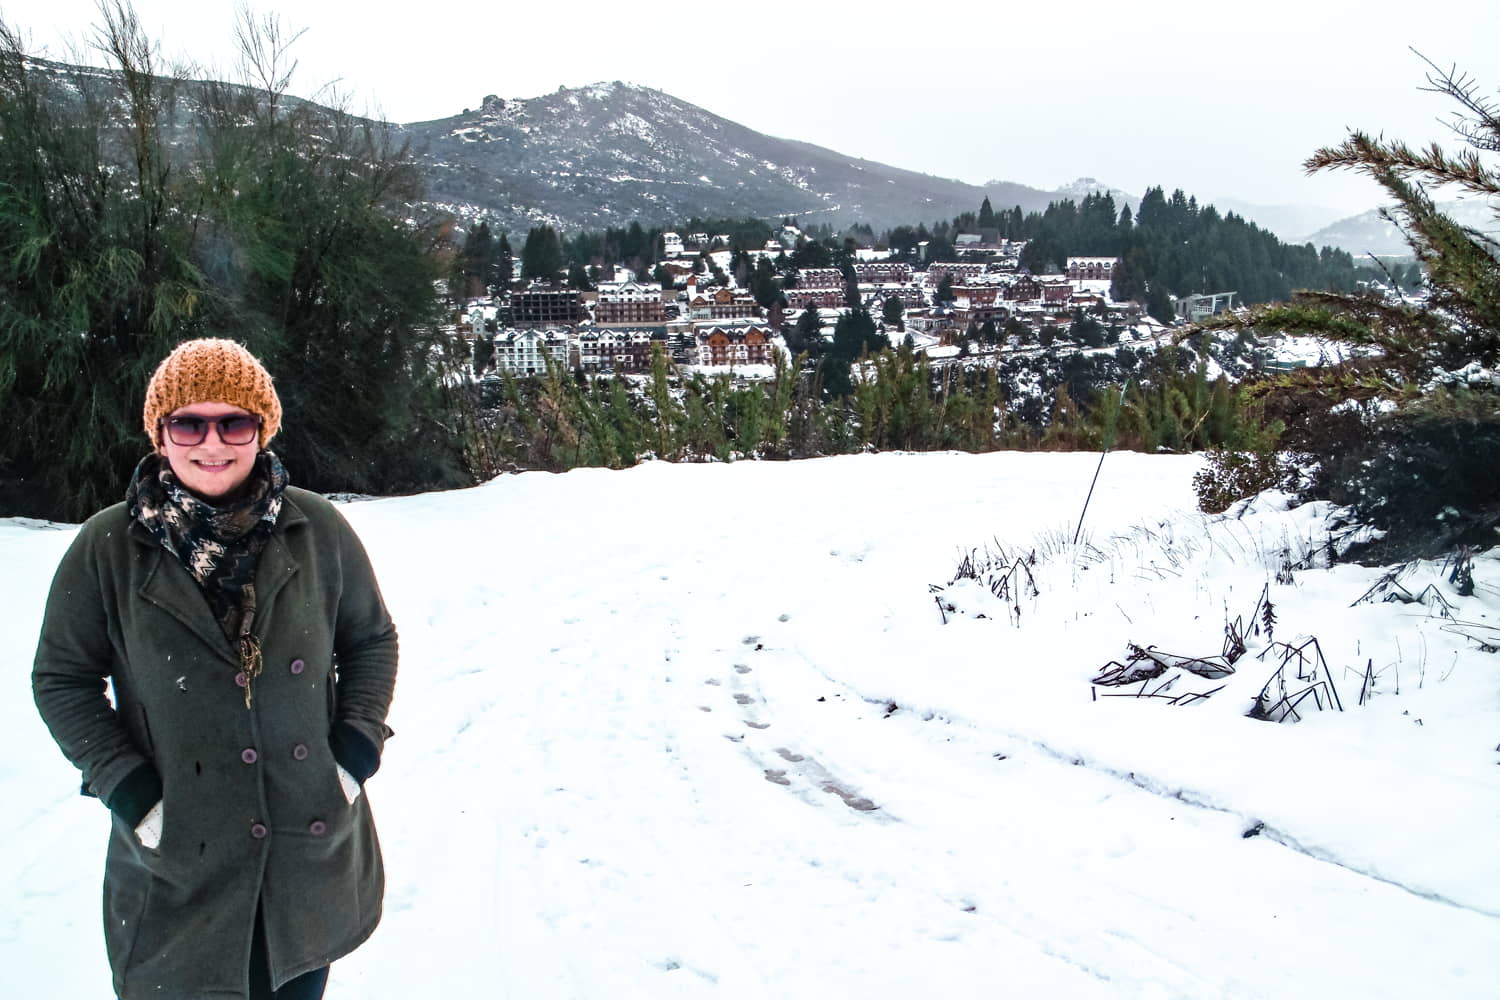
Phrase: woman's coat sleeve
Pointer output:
(69, 678)
(365, 652)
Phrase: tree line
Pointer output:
(896, 399)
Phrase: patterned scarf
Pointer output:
(219, 546)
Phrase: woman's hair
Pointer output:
(212, 371)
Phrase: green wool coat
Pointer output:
(253, 813)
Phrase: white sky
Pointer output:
(1155, 92)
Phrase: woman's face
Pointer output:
(212, 469)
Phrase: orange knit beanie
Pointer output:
(212, 371)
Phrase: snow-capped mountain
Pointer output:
(1082, 187)
(612, 152)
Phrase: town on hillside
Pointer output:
(698, 315)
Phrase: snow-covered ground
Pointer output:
(709, 731)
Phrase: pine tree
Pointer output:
(893, 312)
(505, 263)
(542, 255)
(1423, 468)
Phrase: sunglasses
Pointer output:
(188, 429)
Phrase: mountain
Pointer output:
(1084, 186)
(1290, 223)
(1369, 233)
(608, 153)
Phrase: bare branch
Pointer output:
(1481, 128)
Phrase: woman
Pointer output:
(253, 663)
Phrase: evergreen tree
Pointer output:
(505, 264)
(763, 284)
(893, 311)
(289, 235)
(542, 255)
(855, 333)
(986, 214)
(1159, 303)
(944, 293)
(478, 257)
(806, 334)
(1421, 467)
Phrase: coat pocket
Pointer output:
(148, 746)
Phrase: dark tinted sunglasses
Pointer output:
(187, 429)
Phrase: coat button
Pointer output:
(299, 752)
(298, 666)
(317, 828)
(258, 831)
(249, 756)
(241, 679)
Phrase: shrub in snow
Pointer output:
(1228, 476)
(1426, 476)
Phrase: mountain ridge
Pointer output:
(612, 152)
(1368, 233)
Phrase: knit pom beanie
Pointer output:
(212, 371)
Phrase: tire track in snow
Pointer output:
(1253, 827)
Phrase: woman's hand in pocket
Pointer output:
(348, 784)
(148, 830)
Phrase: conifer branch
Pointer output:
(1381, 159)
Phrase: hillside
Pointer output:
(1368, 233)
(611, 153)
(606, 154)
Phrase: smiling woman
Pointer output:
(252, 663)
(214, 466)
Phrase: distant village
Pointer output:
(699, 323)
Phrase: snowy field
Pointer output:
(710, 731)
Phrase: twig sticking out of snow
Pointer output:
(1282, 697)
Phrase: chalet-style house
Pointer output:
(747, 345)
(820, 277)
(815, 298)
(527, 352)
(618, 350)
(882, 273)
(1092, 268)
(629, 303)
(959, 271)
(974, 304)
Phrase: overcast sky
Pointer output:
(1134, 94)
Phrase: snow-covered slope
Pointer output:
(708, 731)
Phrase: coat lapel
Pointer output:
(171, 587)
(276, 565)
